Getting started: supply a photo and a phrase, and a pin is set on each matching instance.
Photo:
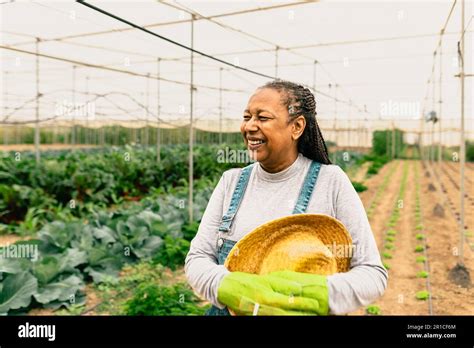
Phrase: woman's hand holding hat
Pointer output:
(274, 294)
(312, 286)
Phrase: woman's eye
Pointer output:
(263, 118)
(246, 117)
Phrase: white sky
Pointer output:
(377, 73)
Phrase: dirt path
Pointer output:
(8, 239)
(383, 209)
(449, 181)
(361, 173)
(442, 240)
(456, 171)
(374, 182)
(399, 298)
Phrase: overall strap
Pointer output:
(237, 196)
(307, 188)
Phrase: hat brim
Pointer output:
(309, 243)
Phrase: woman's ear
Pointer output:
(298, 127)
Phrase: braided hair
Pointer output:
(300, 102)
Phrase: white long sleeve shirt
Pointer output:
(273, 195)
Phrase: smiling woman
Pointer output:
(293, 175)
(279, 122)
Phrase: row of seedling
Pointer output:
(388, 243)
(381, 190)
(421, 245)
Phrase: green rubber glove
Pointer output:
(272, 293)
(312, 285)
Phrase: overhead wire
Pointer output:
(136, 26)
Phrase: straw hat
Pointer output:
(309, 243)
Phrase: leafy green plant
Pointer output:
(173, 253)
(386, 255)
(422, 295)
(17, 290)
(420, 236)
(72, 253)
(386, 265)
(420, 259)
(190, 230)
(419, 227)
(390, 239)
(422, 274)
(373, 310)
(95, 178)
(391, 232)
(153, 299)
(389, 246)
(419, 248)
(358, 186)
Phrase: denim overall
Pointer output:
(225, 245)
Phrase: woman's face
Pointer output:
(270, 138)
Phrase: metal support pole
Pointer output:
(147, 114)
(73, 130)
(393, 139)
(6, 130)
(314, 78)
(191, 138)
(433, 108)
(335, 123)
(88, 129)
(463, 141)
(158, 109)
(38, 95)
(440, 146)
(277, 48)
(220, 106)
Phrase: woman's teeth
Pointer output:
(255, 142)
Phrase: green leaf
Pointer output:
(59, 291)
(386, 255)
(47, 269)
(420, 259)
(71, 259)
(373, 309)
(106, 234)
(17, 291)
(422, 274)
(100, 275)
(56, 234)
(391, 232)
(422, 295)
(149, 248)
(8, 265)
(419, 248)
